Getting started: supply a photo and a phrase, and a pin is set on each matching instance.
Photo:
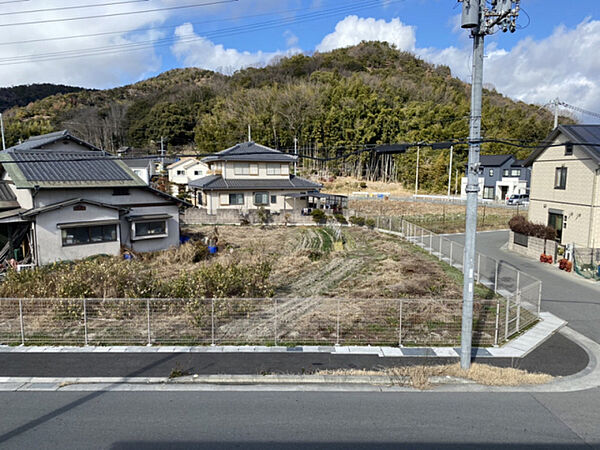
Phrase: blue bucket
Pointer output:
(212, 249)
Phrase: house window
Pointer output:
(273, 199)
(491, 172)
(181, 172)
(121, 191)
(568, 149)
(261, 198)
(197, 173)
(156, 228)
(515, 173)
(236, 199)
(245, 169)
(273, 170)
(560, 178)
(488, 192)
(88, 235)
(506, 173)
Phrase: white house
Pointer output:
(251, 176)
(145, 168)
(185, 170)
(75, 201)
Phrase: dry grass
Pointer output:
(437, 217)
(348, 185)
(419, 377)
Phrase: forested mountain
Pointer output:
(334, 103)
(24, 94)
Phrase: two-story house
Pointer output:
(75, 200)
(251, 176)
(183, 171)
(144, 168)
(500, 177)
(565, 184)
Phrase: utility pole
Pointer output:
(296, 153)
(450, 169)
(481, 21)
(417, 174)
(2, 127)
(249, 133)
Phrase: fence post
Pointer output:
(85, 327)
(148, 317)
(430, 243)
(451, 248)
(337, 324)
(390, 224)
(212, 322)
(497, 330)
(275, 318)
(378, 221)
(518, 300)
(21, 321)
(496, 278)
(423, 236)
(400, 322)
(441, 247)
(478, 266)
(507, 318)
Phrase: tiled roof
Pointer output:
(6, 194)
(217, 183)
(138, 163)
(250, 151)
(494, 160)
(37, 142)
(73, 201)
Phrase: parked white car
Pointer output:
(518, 199)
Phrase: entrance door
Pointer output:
(503, 193)
(555, 220)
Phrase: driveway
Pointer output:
(566, 295)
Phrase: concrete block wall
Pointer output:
(535, 247)
(197, 216)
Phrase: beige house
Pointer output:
(250, 176)
(565, 184)
(185, 170)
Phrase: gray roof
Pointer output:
(494, 160)
(29, 166)
(138, 163)
(585, 134)
(250, 151)
(217, 183)
(7, 197)
(38, 142)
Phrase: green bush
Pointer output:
(357, 220)
(340, 218)
(318, 216)
(370, 222)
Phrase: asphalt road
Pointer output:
(289, 420)
(566, 295)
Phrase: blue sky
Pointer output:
(553, 53)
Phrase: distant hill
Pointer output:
(24, 94)
(332, 102)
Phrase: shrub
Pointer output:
(340, 218)
(370, 222)
(318, 216)
(363, 185)
(519, 224)
(356, 220)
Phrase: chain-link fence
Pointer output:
(268, 321)
(521, 291)
(586, 262)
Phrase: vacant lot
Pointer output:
(437, 217)
(282, 285)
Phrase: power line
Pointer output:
(64, 8)
(141, 30)
(580, 110)
(134, 46)
(128, 13)
(13, 1)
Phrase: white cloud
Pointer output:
(194, 50)
(290, 38)
(562, 65)
(353, 30)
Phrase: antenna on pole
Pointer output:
(249, 133)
